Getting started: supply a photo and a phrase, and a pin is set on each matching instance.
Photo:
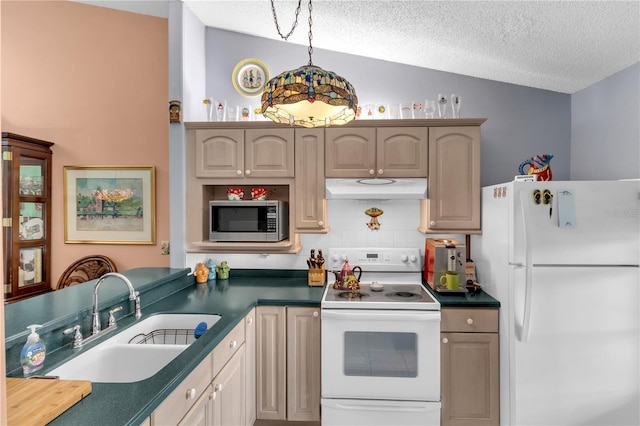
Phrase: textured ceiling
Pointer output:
(562, 46)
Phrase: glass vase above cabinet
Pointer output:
(26, 215)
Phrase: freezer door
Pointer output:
(578, 364)
(605, 230)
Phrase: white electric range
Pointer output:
(380, 347)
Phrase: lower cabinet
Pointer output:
(288, 363)
(470, 367)
(214, 393)
(250, 370)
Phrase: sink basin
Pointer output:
(135, 353)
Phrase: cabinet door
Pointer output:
(250, 367)
(311, 206)
(26, 215)
(271, 391)
(219, 153)
(454, 179)
(350, 152)
(269, 153)
(303, 364)
(470, 379)
(200, 414)
(402, 152)
(228, 392)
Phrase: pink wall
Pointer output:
(95, 82)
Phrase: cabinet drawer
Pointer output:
(469, 320)
(227, 347)
(176, 405)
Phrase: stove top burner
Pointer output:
(403, 295)
(352, 295)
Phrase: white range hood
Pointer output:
(376, 189)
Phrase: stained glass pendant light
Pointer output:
(308, 96)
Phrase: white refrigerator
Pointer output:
(562, 258)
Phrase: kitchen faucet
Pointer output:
(133, 295)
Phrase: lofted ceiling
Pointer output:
(562, 46)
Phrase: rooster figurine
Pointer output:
(538, 165)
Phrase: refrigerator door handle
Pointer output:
(522, 332)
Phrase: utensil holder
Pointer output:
(317, 277)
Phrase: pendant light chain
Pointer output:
(295, 23)
(310, 34)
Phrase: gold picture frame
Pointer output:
(109, 205)
(249, 77)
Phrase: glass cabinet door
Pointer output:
(26, 215)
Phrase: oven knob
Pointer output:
(404, 258)
(413, 258)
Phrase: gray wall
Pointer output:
(521, 121)
(605, 128)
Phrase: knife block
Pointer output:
(317, 276)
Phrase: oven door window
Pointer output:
(380, 354)
(240, 219)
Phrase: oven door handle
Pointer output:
(380, 315)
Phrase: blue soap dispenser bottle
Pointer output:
(33, 352)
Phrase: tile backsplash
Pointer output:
(348, 228)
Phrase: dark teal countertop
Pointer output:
(131, 403)
(163, 290)
(481, 299)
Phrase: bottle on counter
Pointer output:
(33, 352)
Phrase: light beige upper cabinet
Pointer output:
(470, 364)
(361, 152)
(288, 367)
(453, 194)
(311, 206)
(250, 153)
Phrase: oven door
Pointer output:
(393, 355)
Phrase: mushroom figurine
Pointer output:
(373, 213)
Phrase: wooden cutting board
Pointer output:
(38, 401)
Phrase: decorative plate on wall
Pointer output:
(250, 76)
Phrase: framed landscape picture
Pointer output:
(109, 204)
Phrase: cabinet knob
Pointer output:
(469, 321)
(445, 340)
(372, 172)
(212, 396)
(380, 172)
(250, 320)
(239, 172)
(315, 314)
(218, 387)
(247, 172)
(432, 223)
(320, 223)
(191, 393)
(233, 344)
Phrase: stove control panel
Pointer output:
(377, 259)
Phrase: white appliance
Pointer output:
(376, 189)
(380, 346)
(562, 259)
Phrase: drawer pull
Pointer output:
(469, 321)
(191, 393)
(233, 344)
(445, 340)
(315, 314)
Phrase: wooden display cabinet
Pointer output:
(26, 215)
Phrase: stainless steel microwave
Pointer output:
(248, 220)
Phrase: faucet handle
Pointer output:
(77, 336)
(112, 319)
